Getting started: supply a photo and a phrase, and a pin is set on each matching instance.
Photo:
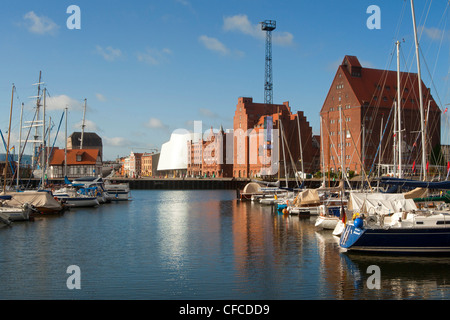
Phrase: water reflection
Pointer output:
(402, 277)
(168, 244)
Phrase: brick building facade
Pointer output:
(208, 157)
(266, 139)
(149, 163)
(360, 104)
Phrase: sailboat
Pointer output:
(389, 223)
(10, 212)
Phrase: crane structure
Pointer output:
(268, 26)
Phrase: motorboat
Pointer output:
(308, 201)
(118, 191)
(95, 184)
(73, 197)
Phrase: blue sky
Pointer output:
(147, 68)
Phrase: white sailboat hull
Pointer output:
(79, 202)
(15, 213)
(313, 211)
(340, 226)
(328, 223)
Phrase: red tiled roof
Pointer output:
(88, 157)
(379, 87)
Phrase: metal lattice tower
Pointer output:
(268, 26)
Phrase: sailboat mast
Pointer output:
(7, 145)
(300, 144)
(422, 120)
(43, 142)
(38, 106)
(341, 142)
(20, 146)
(284, 155)
(47, 166)
(399, 145)
(379, 154)
(363, 171)
(83, 125)
(322, 153)
(65, 149)
(394, 150)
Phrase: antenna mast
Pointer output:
(268, 26)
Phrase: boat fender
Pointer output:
(358, 223)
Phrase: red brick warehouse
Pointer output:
(248, 151)
(364, 98)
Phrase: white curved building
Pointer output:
(174, 153)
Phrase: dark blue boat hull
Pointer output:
(395, 240)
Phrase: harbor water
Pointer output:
(200, 244)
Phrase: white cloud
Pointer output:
(100, 97)
(88, 126)
(283, 38)
(154, 57)
(109, 53)
(184, 2)
(208, 113)
(40, 24)
(116, 141)
(61, 102)
(155, 123)
(436, 34)
(241, 23)
(214, 45)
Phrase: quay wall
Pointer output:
(185, 184)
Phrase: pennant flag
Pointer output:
(446, 109)
(427, 166)
(448, 165)
(343, 214)
(414, 166)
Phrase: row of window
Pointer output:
(347, 119)
(332, 133)
(348, 157)
(340, 107)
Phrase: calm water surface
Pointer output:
(199, 245)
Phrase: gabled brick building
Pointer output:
(256, 139)
(363, 98)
